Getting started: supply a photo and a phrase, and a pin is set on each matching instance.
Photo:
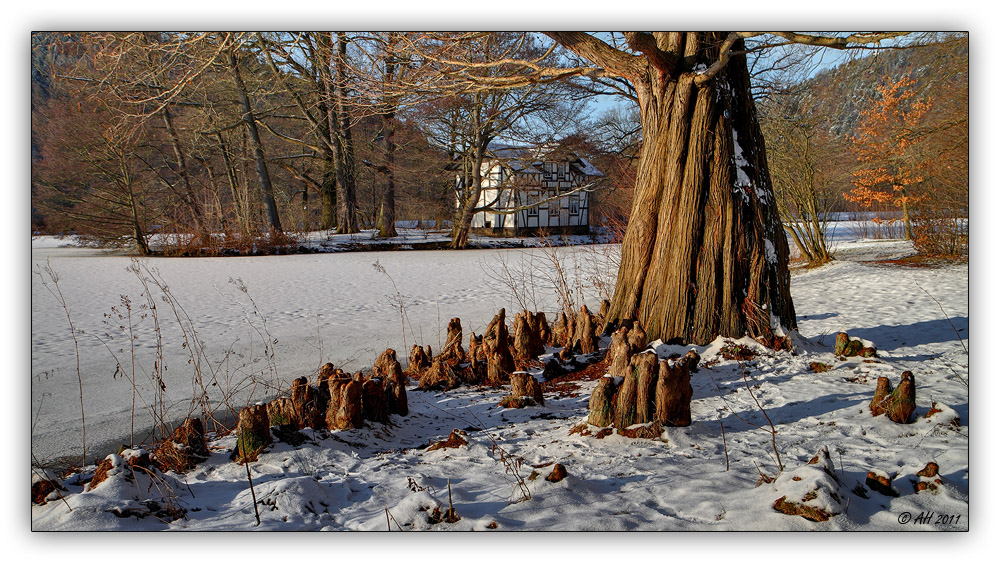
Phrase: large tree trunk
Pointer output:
(704, 253)
(347, 221)
(467, 210)
(328, 126)
(240, 199)
(387, 227)
(258, 148)
(188, 197)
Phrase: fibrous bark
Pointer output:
(439, 376)
(619, 353)
(625, 403)
(847, 346)
(704, 253)
(650, 391)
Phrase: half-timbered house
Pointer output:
(526, 190)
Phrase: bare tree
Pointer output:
(802, 182)
(250, 121)
(478, 108)
(704, 253)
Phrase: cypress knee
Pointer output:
(882, 390)
(646, 378)
(602, 403)
(902, 402)
(585, 337)
(253, 433)
(637, 339)
(453, 352)
(673, 394)
(373, 401)
(625, 407)
(349, 413)
(619, 353)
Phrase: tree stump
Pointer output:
(571, 331)
(310, 405)
(281, 411)
(253, 433)
(528, 341)
(651, 391)
(523, 335)
(601, 405)
(542, 329)
(602, 314)
(327, 371)
(847, 346)
(387, 367)
(477, 350)
(395, 395)
(562, 333)
(349, 413)
(880, 482)
(673, 393)
(439, 376)
(558, 473)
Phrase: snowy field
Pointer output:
(264, 321)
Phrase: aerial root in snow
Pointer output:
(640, 388)
(846, 346)
(813, 491)
(897, 404)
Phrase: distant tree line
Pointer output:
(239, 139)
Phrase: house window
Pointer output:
(574, 205)
(532, 201)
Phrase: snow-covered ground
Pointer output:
(309, 309)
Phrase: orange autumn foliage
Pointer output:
(888, 149)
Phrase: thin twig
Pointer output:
(774, 443)
(246, 463)
(725, 447)
(962, 342)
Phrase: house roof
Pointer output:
(527, 160)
